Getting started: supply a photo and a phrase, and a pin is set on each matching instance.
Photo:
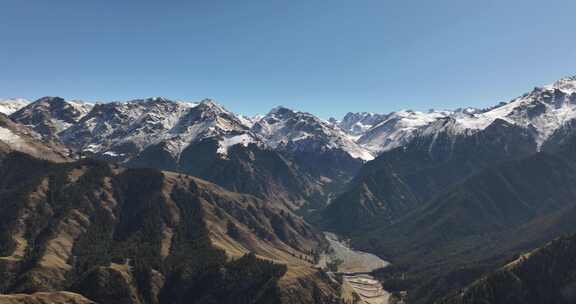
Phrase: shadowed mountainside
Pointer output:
(542, 276)
(118, 235)
(402, 179)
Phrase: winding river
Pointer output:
(355, 268)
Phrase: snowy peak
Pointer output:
(11, 105)
(51, 115)
(542, 111)
(127, 127)
(124, 129)
(398, 128)
(282, 111)
(209, 118)
(567, 85)
(211, 106)
(12, 137)
(467, 111)
(67, 110)
(360, 122)
(16, 137)
(285, 128)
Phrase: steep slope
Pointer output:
(476, 225)
(290, 129)
(544, 110)
(15, 137)
(494, 200)
(296, 161)
(541, 112)
(397, 129)
(119, 235)
(465, 194)
(49, 116)
(542, 276)
(123, 129)
(317, 145)
(204, 140)
(248, 169)
(358, 123)
(425, 153)
(403, 178)
(562, 141)
(45, 298)
(11, 105)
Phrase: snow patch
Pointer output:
(11, 105)
(112, 154)
(229, 141)
(544, 110)
(14, 141)
(295, 130)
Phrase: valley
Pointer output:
(167, 199)
(353, 268)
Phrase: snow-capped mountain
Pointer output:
(383, 132)
(322, 148)
(202, 139)
(16, 137)
(438, 150)
(358, 123)
(542, 111)
(11, 105)
(120, 130)
(51, 115)
(287, 129)
(397, 128)
(433, 167)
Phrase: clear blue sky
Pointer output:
(325, 57)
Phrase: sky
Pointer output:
(319, 56)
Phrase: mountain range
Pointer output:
(108, 202)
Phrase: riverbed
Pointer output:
(355, 267)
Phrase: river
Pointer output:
(355, 268)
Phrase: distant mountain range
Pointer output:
(92, 191)
(542, 111)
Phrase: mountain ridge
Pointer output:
(446, 196)
(545, 109)
(119, 235)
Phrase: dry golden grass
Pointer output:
(59, 249)
(60, 297)
(275, 251)
(18, 254)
